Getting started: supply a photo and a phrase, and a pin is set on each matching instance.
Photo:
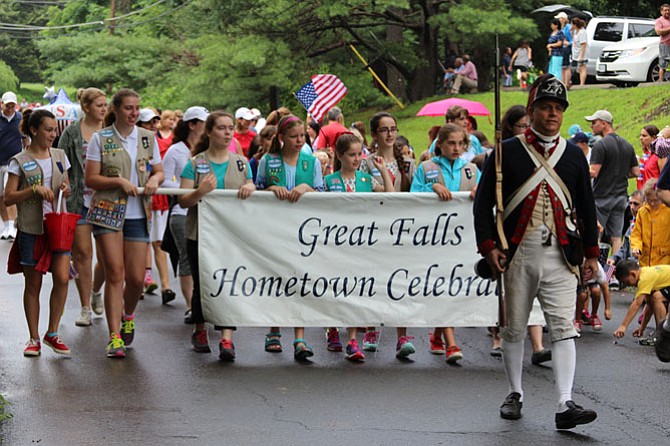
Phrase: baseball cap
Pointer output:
(9, 98)
(603, 115)
(561, 15)
(574, 129)
(548, 87)
(256, 112)
(580, 137)
(244, 113)
(146, 115)
(197, 112)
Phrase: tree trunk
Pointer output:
(394, 80)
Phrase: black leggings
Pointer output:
(196, 302)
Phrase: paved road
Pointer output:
(163, 393)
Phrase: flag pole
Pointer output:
(397, 101)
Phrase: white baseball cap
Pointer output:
(603, 115)
(561, 15)
(9, 98)
(256, 112)
(196, 112)
(244, 113)
(146, 115)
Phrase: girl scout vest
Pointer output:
(408, 166)
(108, 207)
(334, 182)
(275, 174)
(433, 174)
(30, 215)
(235, 177)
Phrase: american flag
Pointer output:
(321, 94)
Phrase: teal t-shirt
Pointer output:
(219, 172)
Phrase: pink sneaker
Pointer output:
(596, 323)
(56, 344)
(333, 340)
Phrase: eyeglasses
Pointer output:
(387, 130)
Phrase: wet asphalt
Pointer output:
(164, 393)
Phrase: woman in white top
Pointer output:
(579, 59)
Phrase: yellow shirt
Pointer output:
(651, 235)
(653, 278)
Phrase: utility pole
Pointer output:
(112, 12)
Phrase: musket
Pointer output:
(502, 309)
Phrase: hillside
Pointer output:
(632, 108)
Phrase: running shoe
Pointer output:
(150, 286)
(371, 341)
(96, 302)
(56, 344)
(586, 317)
(596, 323)
(84, 318)
(116, 348)
(436, 345)
(578, 326)
(188, 317)
(128, 330)
(333, 340)
(454, 354)
(353, 352)
(200, 342)
(33, 348)
(404, 348)
(226, 350)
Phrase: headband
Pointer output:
(289, 120)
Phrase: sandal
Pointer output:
(302, 350)
(272, 343)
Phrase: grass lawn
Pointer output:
(34, 92)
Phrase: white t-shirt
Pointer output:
(47, 173)
(577, 42)
(134, 209)
(174, 161)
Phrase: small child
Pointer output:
(444, 173)
(347, 178)
(595, 286)
(653, 286)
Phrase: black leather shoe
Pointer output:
(511, 408)
(662, 345)
(573, 416)
(167, 296)
(543, 355)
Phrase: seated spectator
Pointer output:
(465, 77)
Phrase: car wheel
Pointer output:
(652, 75)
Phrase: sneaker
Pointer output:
(586, 317)
(404, 348)
(596, 323)
(573, 416)
(116, 348)
(33, 348)
(333, 340)
(578, 326)
(226, 350)
(150, 286)
(454, 354)
(84, 318)
(511, 407)
(353, 352)
(188, 317)
(436, 345)
(167, 296)
(56, 344)
(96, 302)
(540, 357)
(614, 285)
(647, 342)
(200, 342)
(127, 330)
(370, 341)
(662, 344)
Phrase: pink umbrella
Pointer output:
(439, 108)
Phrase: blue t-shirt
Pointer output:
(219, 172)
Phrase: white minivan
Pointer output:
(604, 31)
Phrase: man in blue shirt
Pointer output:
(10, 145)
(566, 71)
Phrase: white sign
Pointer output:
(338, 259)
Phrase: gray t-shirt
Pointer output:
(616, 157)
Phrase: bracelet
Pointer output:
(34, 189)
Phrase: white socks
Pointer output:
(564, 357)
(513, 362)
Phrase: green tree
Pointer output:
(8, 80)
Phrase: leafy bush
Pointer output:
(8, 80)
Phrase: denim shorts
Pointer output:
(82, 220)
(26, 243)
(134, 230)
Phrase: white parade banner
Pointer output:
(338, 259)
